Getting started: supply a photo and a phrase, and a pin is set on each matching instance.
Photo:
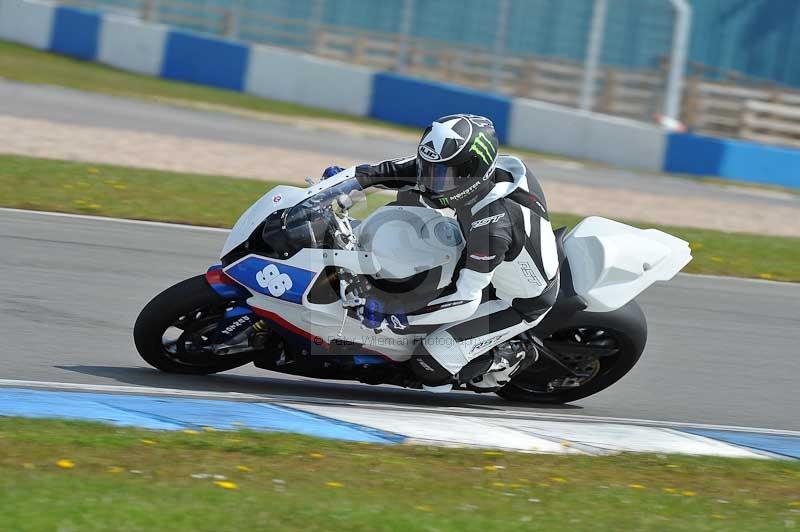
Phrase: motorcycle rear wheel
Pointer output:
(192, 307)
(620, 336)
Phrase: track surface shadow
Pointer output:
(299, 387)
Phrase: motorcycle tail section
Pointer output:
(612, 263)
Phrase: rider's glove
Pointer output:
(373, 316)
(331, 171)
(396, 322)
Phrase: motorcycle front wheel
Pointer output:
(586, 354)
(171, 332)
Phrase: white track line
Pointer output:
(287, 399)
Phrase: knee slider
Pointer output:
(427, 369)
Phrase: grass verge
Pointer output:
(84, 476)
(41, 184)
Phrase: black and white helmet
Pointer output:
(456, 160)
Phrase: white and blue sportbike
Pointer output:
(300, 265)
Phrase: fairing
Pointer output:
(612, 262)
(279, 198)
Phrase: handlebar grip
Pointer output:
(373, 314)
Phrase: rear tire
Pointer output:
(166, 309)
(627, 326)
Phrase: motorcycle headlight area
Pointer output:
(410, 240)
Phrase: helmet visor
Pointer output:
(440, 178)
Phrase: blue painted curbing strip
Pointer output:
(75, 32)
(205, 61)
(782, 445)
(416, 102)
(172, 413)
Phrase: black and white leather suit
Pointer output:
(509, 279)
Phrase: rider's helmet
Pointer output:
(456, 160)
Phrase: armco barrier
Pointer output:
(573, 133)
(308, 80)
(732, 159)
(623, 142)
(28, 23)
(129, 45)
(205, 61)
(152, 49)
(75, 33)
(416, 102)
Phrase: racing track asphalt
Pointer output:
(721, 351)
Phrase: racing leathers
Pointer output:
(508, 282)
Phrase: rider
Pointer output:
(510, 244)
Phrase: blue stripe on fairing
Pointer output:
(75, 33)
(172, 413)
(229, 291)
(772, 443)
(246, 272)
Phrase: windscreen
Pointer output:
(313, 209)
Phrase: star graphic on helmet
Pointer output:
(440, 132)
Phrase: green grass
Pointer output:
(103, 190)
(131, 479)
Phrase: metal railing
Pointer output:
(772, 123)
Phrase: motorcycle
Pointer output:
(298, 268)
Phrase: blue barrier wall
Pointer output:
(732, 159)
(692, 154)
(75, 33)
(205, 61)
(758, 163)
(416, 102)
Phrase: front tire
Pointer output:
(186, 302)
(623, 331)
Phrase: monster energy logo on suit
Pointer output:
(483, 148)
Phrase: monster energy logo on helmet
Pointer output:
(444, 202)
(483, 148)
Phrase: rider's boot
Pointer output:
(508, 360)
